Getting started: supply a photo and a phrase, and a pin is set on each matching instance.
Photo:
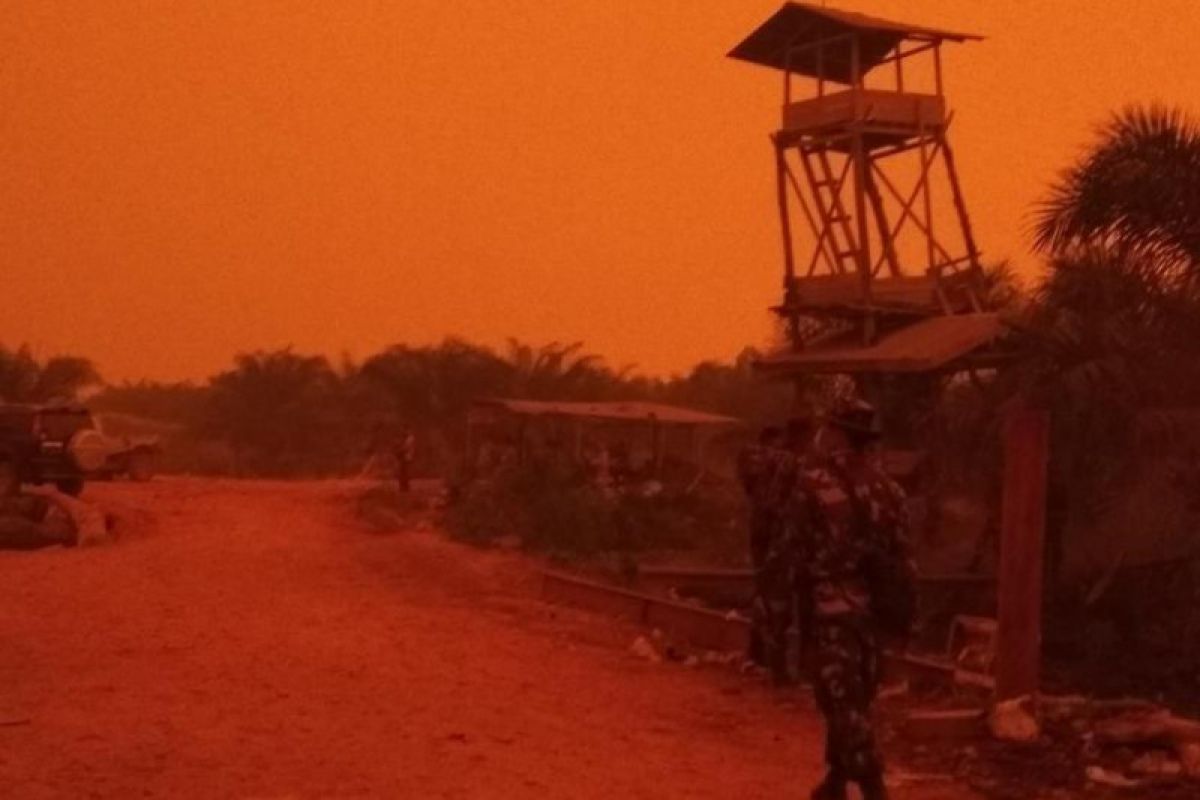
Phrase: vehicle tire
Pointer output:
(70, 486)
(10, 479)
(141, 466)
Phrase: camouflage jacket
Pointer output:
(836, 534)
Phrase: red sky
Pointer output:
(185, 180)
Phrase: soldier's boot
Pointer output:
(873, 787)
(832, 788)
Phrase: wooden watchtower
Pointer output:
(864, 167)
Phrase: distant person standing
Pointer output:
(404, 450)
(856, 570)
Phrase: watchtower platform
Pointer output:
(863, 163)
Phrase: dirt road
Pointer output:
(251, 640)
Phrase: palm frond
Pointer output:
(1138, 188)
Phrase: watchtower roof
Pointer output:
(797, 29)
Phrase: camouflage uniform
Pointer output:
(754, 472)
(771, 553)
(839, 534)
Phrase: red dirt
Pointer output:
(252, 640)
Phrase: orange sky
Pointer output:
(185, 180)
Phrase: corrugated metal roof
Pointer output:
(622, 411)
(924, 346)
(799, 24)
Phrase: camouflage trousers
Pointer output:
(773, 612)
(775, 609)
(845, 680)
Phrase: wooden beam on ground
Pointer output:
(703, 627)
(1019, 638)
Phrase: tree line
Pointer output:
(285, 413)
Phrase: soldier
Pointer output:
(856, 571)
(404, 449)
(774, 533)
(755, 471)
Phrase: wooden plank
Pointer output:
(706, 628)
(568, 590)
(917, 292)
(899, 112)
(1019, 637)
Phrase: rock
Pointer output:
(1011, 721)
(1099, 775)
(642, 648)
(91, 526)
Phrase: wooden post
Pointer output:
(821, 68)
(858, 154)
(785, 217)
(1022, 535)
(925, 190)
(937, 70)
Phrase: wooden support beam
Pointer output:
(1019, 638)
(939, 83)
(829, 212)
(908, 205)
(960, 204)
(785, 221)
(887, 243)
(823, 246)
(928, 198)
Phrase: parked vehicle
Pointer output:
(63, 445)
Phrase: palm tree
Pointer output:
(279, 410)
(1137, 190)
(26, 379)
(561, 372)
(433, 386)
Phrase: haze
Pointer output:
(183, 181)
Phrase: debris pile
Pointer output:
(1066, 743)
(45, 517)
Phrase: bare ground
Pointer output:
(251, 640)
